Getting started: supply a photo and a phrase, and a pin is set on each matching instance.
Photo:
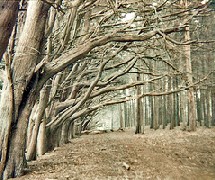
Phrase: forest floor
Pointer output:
(160, 155)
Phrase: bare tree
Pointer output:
(12, 125)
(76, 54)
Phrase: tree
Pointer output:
(79, 54)
(14, 116)
(191, 98)
(8, 15)
(139, 114)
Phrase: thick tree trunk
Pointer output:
(53, 135)
(8, 15)
(24, 82)
(6, 113)
(16, 163)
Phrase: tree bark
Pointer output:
(139, 115)
(191, 98)
(121, 118)
(64, 139)
(24, 81)
(156, 113)
(183, 105)
(8, 15)
(125, 107)
(213, 106)
(41, 139)
(7, 112)
(31, 149)
(16, 163)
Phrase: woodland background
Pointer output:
(65, 62)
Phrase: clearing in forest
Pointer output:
(161, 154)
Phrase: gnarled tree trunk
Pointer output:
(24, 83)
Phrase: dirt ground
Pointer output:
(160, 155)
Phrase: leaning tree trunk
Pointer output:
(8, 15)
(16, 163)
(31, 148)
(41, 139)
(24, 84)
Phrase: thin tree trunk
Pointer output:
(183, 105)
(156, 113)
(146, 110)
(191, 98)
(125, 113)
(206, 108)
(198, 107)
(130, 113)
(31, 123)
(31, 149)
(170, 104)
(139, 121)
(41, 139)
(121, 119)
(164, 110)
(213, 106)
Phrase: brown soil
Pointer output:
(160, 155)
